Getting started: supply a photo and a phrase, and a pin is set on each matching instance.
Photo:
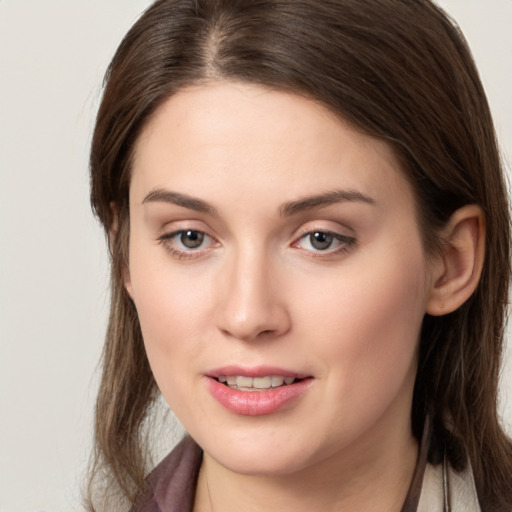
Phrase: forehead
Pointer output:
(236, 138)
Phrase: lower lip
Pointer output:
(257, 403)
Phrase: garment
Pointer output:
(446, 490)
(171, 486)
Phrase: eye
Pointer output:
(190, 239)
(325, 241)
(187, 243)
(320, 241)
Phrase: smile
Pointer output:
(244, 383)
(256, 392)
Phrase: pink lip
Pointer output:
(256, 371)
(257, 403)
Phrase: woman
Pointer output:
(310, 260)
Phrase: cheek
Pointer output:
(171, 324)
(172, 315)
(367, 323)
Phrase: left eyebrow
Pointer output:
(321, 200)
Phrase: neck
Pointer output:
(345, 481)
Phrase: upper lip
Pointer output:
(255, 371)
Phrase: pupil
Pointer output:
(192, 239)
(321, 241)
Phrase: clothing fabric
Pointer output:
(445, 489)
(172, 484)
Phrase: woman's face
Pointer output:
(270, 240)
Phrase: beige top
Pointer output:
(446, 490)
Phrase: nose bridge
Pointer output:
(251, 305)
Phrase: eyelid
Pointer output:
(325, 226)
(338, 236)
(166, 240)
(346, 241)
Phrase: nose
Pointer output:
(250, 302)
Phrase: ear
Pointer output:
(456, 270)
(127, 280)
(112, 235)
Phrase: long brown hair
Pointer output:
(398, 70)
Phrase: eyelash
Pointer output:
(166, 240)
(346, 243)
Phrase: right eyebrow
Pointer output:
(160, 195)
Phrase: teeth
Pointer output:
(253, 384)
(244, 382)
(277, 381)
(262, 382)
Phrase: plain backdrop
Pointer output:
(53, 265)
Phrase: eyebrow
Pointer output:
(166, 196)
(321, 200)
(286, 210)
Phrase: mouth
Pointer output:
(266, 383)
(257, 391)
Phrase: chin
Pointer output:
(260, 452)
(263, 464)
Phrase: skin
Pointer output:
(257, 292)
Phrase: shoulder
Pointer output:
(171, 485)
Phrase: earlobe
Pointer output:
(112, 235)
(127, 281)
(457, 269)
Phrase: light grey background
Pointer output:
(53, 268)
